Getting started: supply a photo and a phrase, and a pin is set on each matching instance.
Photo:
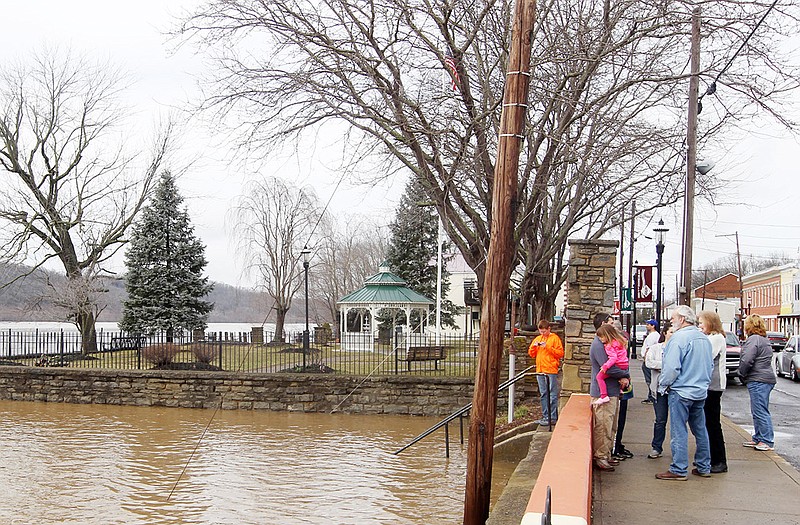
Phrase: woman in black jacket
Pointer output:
(755, 369)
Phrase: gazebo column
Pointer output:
(372, 316)
(343, 326)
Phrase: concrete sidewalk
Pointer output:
(759, 487)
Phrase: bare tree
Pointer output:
(273, 222)
(68, 193)
(606, 109)
(348, 253)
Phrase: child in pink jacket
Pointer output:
(617, 352)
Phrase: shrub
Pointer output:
(160, 354)
(204, 353)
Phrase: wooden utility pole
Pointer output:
(498, 267)
(691, 162)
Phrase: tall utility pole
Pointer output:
(740, 325)
(499, 263)
(632, 317)
(691, 162)
(632, 282)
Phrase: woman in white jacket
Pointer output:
(652, 360)
(711, 325)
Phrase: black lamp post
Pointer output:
(660, 231)
(306, 256)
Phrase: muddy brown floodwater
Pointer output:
(81, 464)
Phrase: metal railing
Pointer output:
(463, 410)
(456, 357)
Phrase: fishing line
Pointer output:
(368, 376)
(211, 419)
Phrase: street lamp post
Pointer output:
(306, 255)
(660, 231)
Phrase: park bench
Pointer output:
(126, 343)
(433, 353)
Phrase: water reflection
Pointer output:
(62, 463)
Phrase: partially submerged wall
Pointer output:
(428, 396)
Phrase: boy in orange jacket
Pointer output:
(548, 352)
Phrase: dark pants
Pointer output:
(716, 440)
(623, 414)
(661, 409)
(648, 375)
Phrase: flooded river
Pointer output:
(81, 464)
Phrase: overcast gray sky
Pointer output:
(759, 164)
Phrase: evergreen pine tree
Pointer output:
(165, 261)
(412, 249)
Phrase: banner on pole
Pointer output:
(644, 283)
(626, 301)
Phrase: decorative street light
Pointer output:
(660, 231)
(306, 256)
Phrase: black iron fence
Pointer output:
(355, 354)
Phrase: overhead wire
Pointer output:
(712, 88)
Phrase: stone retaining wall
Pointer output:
(427, 396)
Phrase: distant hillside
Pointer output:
(30, 299)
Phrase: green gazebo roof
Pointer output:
(385, 288)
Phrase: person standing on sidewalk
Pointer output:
(755, 369)
(604, 417)
(548, 352)
(686, 373)
(711, 325)
(619, 452)
(653, 336)
(661, 404)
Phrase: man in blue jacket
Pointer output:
(685, 374)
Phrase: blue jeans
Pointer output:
(648, 376)
(661, 409)
(759, 406)
(681, 412)
(548, 405)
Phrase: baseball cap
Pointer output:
(652, 322)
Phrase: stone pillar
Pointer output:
(257, 335)
(591, 289)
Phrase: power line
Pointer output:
(712, 88)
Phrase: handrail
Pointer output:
(461, 411)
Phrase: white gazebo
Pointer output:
(382, 291)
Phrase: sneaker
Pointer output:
(647, 401)
(618, 457)
(751, 444)
(601, 400)
(701, 474)
(654, 454)
(670, 476)
(625, 452)
(719, 468)
(763, 447)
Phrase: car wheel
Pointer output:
(778, 368)
(793, 373)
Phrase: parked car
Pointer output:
(787, 361)
(777, 340)
(639, 332)
(733, 353)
